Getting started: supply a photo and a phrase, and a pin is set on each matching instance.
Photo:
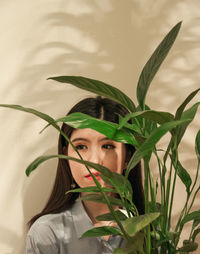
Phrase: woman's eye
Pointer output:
(108, 146)
(81, 147)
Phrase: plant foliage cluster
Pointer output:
(142, 128)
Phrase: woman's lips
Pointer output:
(97, 175)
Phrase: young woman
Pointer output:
(58, 228)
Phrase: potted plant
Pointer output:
(142, 128)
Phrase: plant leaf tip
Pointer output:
(27, 173)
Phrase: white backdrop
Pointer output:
(108, 40)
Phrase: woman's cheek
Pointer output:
(75, 168)
(115, 160)
(111, 161)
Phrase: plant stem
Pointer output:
(174, 163)
(162, 188)
(167, 199)
(146, 188)
(196, 177)
(152, 191)
(182, 213)
(160, 174)
(171, 201)
(185, 210)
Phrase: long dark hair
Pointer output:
(105, 109)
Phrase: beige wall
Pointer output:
(108, 40)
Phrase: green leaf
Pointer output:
(92, 189)
(99, 199)
(42, 159)
(191, 216)
(195, 233)
(150, 142)
(159, 117)
(133, 246)
(172, 235)
(119, 251)
(102, 231)
(123, 121)
(154, 63)
(183, 174)
(98, 87)
(197, 145)
(196, 223)
(188, 247)
(135, 224)
(109, 216)
(109, 129)
(184, 104)
(39, 160)
(187, 114)
(45, 117)
(121, 184)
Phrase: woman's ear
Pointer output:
(128, 156)
(125, 165)
(64, 150)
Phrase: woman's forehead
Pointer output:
(87, 133)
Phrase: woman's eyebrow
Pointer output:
(79, 139)
(105, 138)
(85, 139)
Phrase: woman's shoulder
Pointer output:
(47, 232)
(50, 223)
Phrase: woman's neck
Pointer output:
(95, 209)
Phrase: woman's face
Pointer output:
(95, 147)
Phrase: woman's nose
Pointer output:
(95, 157)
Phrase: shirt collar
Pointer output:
(82, 221)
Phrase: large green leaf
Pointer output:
(98, 87)
(119, 251)
(99, 199)
(154, 63)
(45, 117)
(103, 170)
(159, 117)
(133, 246)
(102, 231)
(184, 104)
(135, 224)
(109, 129)
(150, 143)
(121, 184)
(123, 122)
(109, 216)
(197, 145)
(92, 189)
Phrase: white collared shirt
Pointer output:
(61, 234)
